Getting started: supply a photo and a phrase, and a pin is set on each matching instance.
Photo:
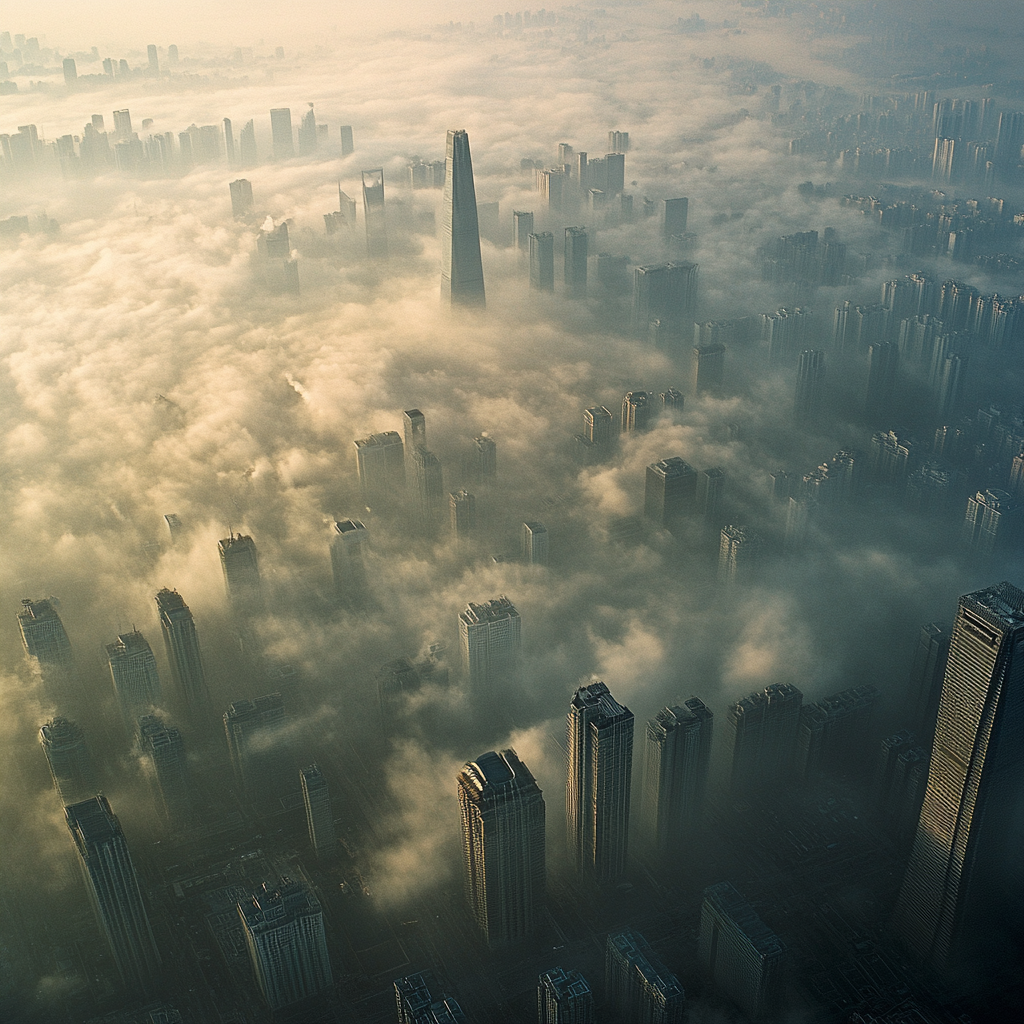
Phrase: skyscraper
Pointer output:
(535, 543)
(637, 984)
(462, 275)
(229, 141)
(522, 228)
(542, 262)
(833, 732)
(67, 754)
(739, 552)
(239, 562)
(576, 263)
(676, 758)
(247, 156)
(429, 485)
(491, 641)
(638, 411)
(741, 955)
(564, 997)
(281, 133)
(670, 492)
(503, 846)
(414, 425)
(347, 143)
(810, 386)
(922, 702)
(166, 750)
(666, 292)
(599, 773)
(883, 364)
(122, 125)
(960, 886)
(46, 640)
(252, 729)
(284, 932)
(483, 459)
(307, 132)
(421, 999)
(597, 425)
(462, 514)
(349, 541)
(241, 199)
(380, 459)
(673, 217)
(993, 523)
(182, 644)
(707, 369)
(319, 816)
(114, 889)
(760, 736)
(136, 680)
(374, 214)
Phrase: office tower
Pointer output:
(347, 144)
(710, 484)
(421, 1000)
(247, 145)
(564, 997)
(114, 889)
(833, 733)
(522, 228)
(136, 681)
(552, 188)
(502, 846)
(739, 554)
(948, 385)
(542, 262)
(307, 133)
(565, 152)
(958, 885)
(182, 644)
(925, 686)
(252, 729)
(742, 957)
(349, 542)
(429, 484)
(152, 60)
(707, 369)
(810, 386)
(1016, 485)
(672, 402)
(281, 133)
(462, 514)
(992, 524)
(67, 754)
(760, 738)
(166, 750)
(618, 142)
(576, 263)
(229, 142)
(637, 984)
(241, 199)
(380, 459)
(44, 638)
(239, 561)
(491, 640)
(597, 425)
(122, 126)
(676, 758)
(673, 218)
(70, 74)
(599, 733)
(284, 932)
(892, 747)
(615, 169)
(462, 274)
(785, 333)
(667, 292)
(535, 544)
(319, 816)
(172, 54)
(670, 492)
(374, 215)
(399, 678)
(484, 459)
(638, 411)
(274, 244)
(780, 485)
(578, 171)
(414, 426)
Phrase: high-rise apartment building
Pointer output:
(316, 797)
(122, 126)
(380, 459)
(673, 217)
(883, 365)
(597, 425)
(491, 641)
(462, 274)
(599, 733)
(421, 999)
(564, 997)
(639, 411)
(710, 488)
(576, 263)
(240, 564)
(429, 484)
(284, 932)
(247, 156)
(307, 133)
(414, 427)
(926, 674)
(739, 553)
(114, 889)
(67, 754)
(252, 729)
(522, 228)
(462, 514)
(993, 523)
(374, 213)
(281, 133)
(666, 292)
(670, 492)
(182, 644)
(676, 758)
(637, 984)
(959, 890)
(760, 735)
(618, 142)
(166, 750)
(503, 846)
(742, 957)
(483, 459)
(347, 142)
(349, 542)
(136, 680)
(45, 639)
(810, 386)
(834, 732)
(535, 543)
(542, 262)
(241, 199)
(707, 369)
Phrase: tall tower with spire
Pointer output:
(462, 275)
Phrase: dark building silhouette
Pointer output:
(374, 214)
(760, 734)
(421, 999)
(166, 750)
(638, 986)
(241, 199)
(666, 292)
(576, 263)
(670, 492)
(564, 997)
(239, 561)
(181, 642)
(281, 133)
(70, 763)
(349, 542)
(462, 275)
(542, 262)
(810, 386)
(707, 369)
(926, 674)
(316, 797)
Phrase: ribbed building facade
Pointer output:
(760, 738)
(316, 797)
(182, 643)
(134, 672)
(638, 986)
(491, 640)
(239, 561)
(70, 763)
(564, 997)
(462, 275)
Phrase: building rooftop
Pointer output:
(729, 903)
(492, 611)
(92, 822)
(672, 468)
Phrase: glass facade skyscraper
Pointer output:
(462, 275)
